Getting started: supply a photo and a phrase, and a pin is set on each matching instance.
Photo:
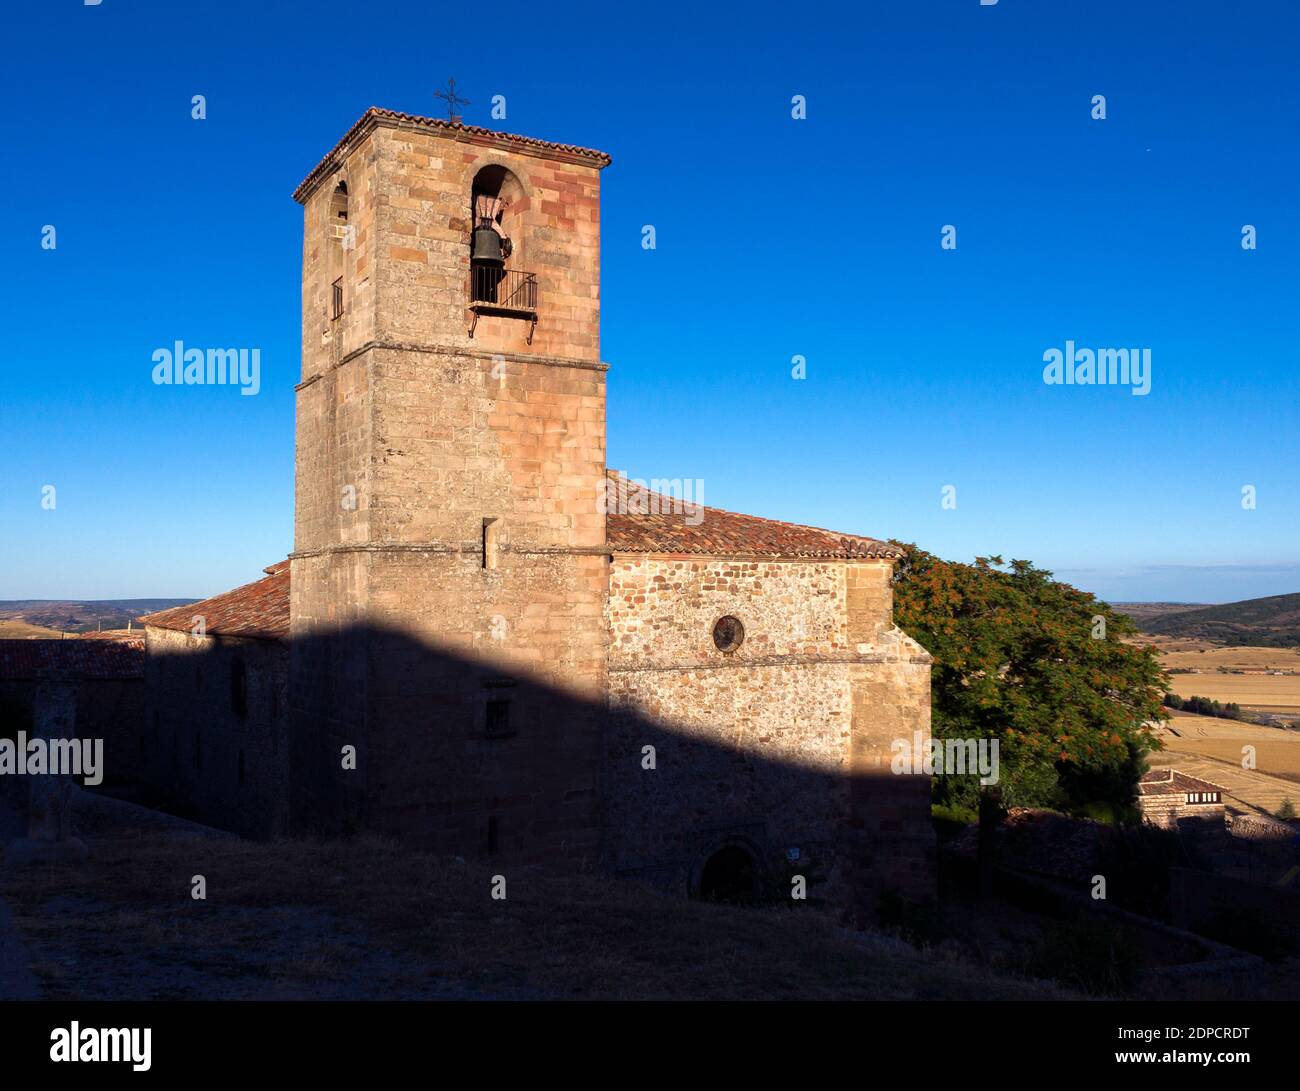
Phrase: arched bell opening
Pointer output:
(497, 205)
(337, 245)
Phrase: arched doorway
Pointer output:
(730, 876)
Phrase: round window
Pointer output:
(728, 633)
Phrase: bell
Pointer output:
(487, 247)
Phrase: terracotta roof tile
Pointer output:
(642, 521)
(1161, 782)
(647, 522)
(471, 132)
(73, 658)
(259, 610)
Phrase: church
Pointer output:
(486, 642)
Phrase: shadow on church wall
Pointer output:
(449, 755)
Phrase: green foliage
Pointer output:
(1021, 658)
(1204, 706)
(1101, 811)
(957, 816)
(1287, 811)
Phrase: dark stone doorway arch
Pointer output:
(730, 875)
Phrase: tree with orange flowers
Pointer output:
(1043, 668)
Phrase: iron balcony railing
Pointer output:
(510, 289)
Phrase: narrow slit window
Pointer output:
(498, 717)
(491, 541)
(337, 300)
(238, 688)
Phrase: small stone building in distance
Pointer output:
(486, 642)
(1171, 799)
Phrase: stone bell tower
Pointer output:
(449, 571)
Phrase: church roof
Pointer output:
(474, 134)
(259, 610)
(642, 521)
(638, 521)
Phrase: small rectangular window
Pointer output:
(498, 717)
(337, 291)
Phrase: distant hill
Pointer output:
(26, 617)
(1142, 612)
(1272, 622)
(23, 630)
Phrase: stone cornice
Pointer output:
(803, 558)
(375, 117)
(734, 663)
(447, 549)
(457, 350)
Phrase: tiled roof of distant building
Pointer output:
(73, 658)
(1160, 782)
(258, 610)
(642, 521)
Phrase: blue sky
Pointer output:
(775, 237)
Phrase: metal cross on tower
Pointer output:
(452, 99)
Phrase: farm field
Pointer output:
(1177, 653)
(1211, 748)
(1263, 692)
(1275, 693)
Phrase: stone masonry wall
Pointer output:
(1166, 810)
(111, 709)
(196, 743)
(424, 185)
(412, 436)
(764, 746)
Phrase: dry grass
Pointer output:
(366, 918)
(14, 629)
(1182, 654)
(1277, 751)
